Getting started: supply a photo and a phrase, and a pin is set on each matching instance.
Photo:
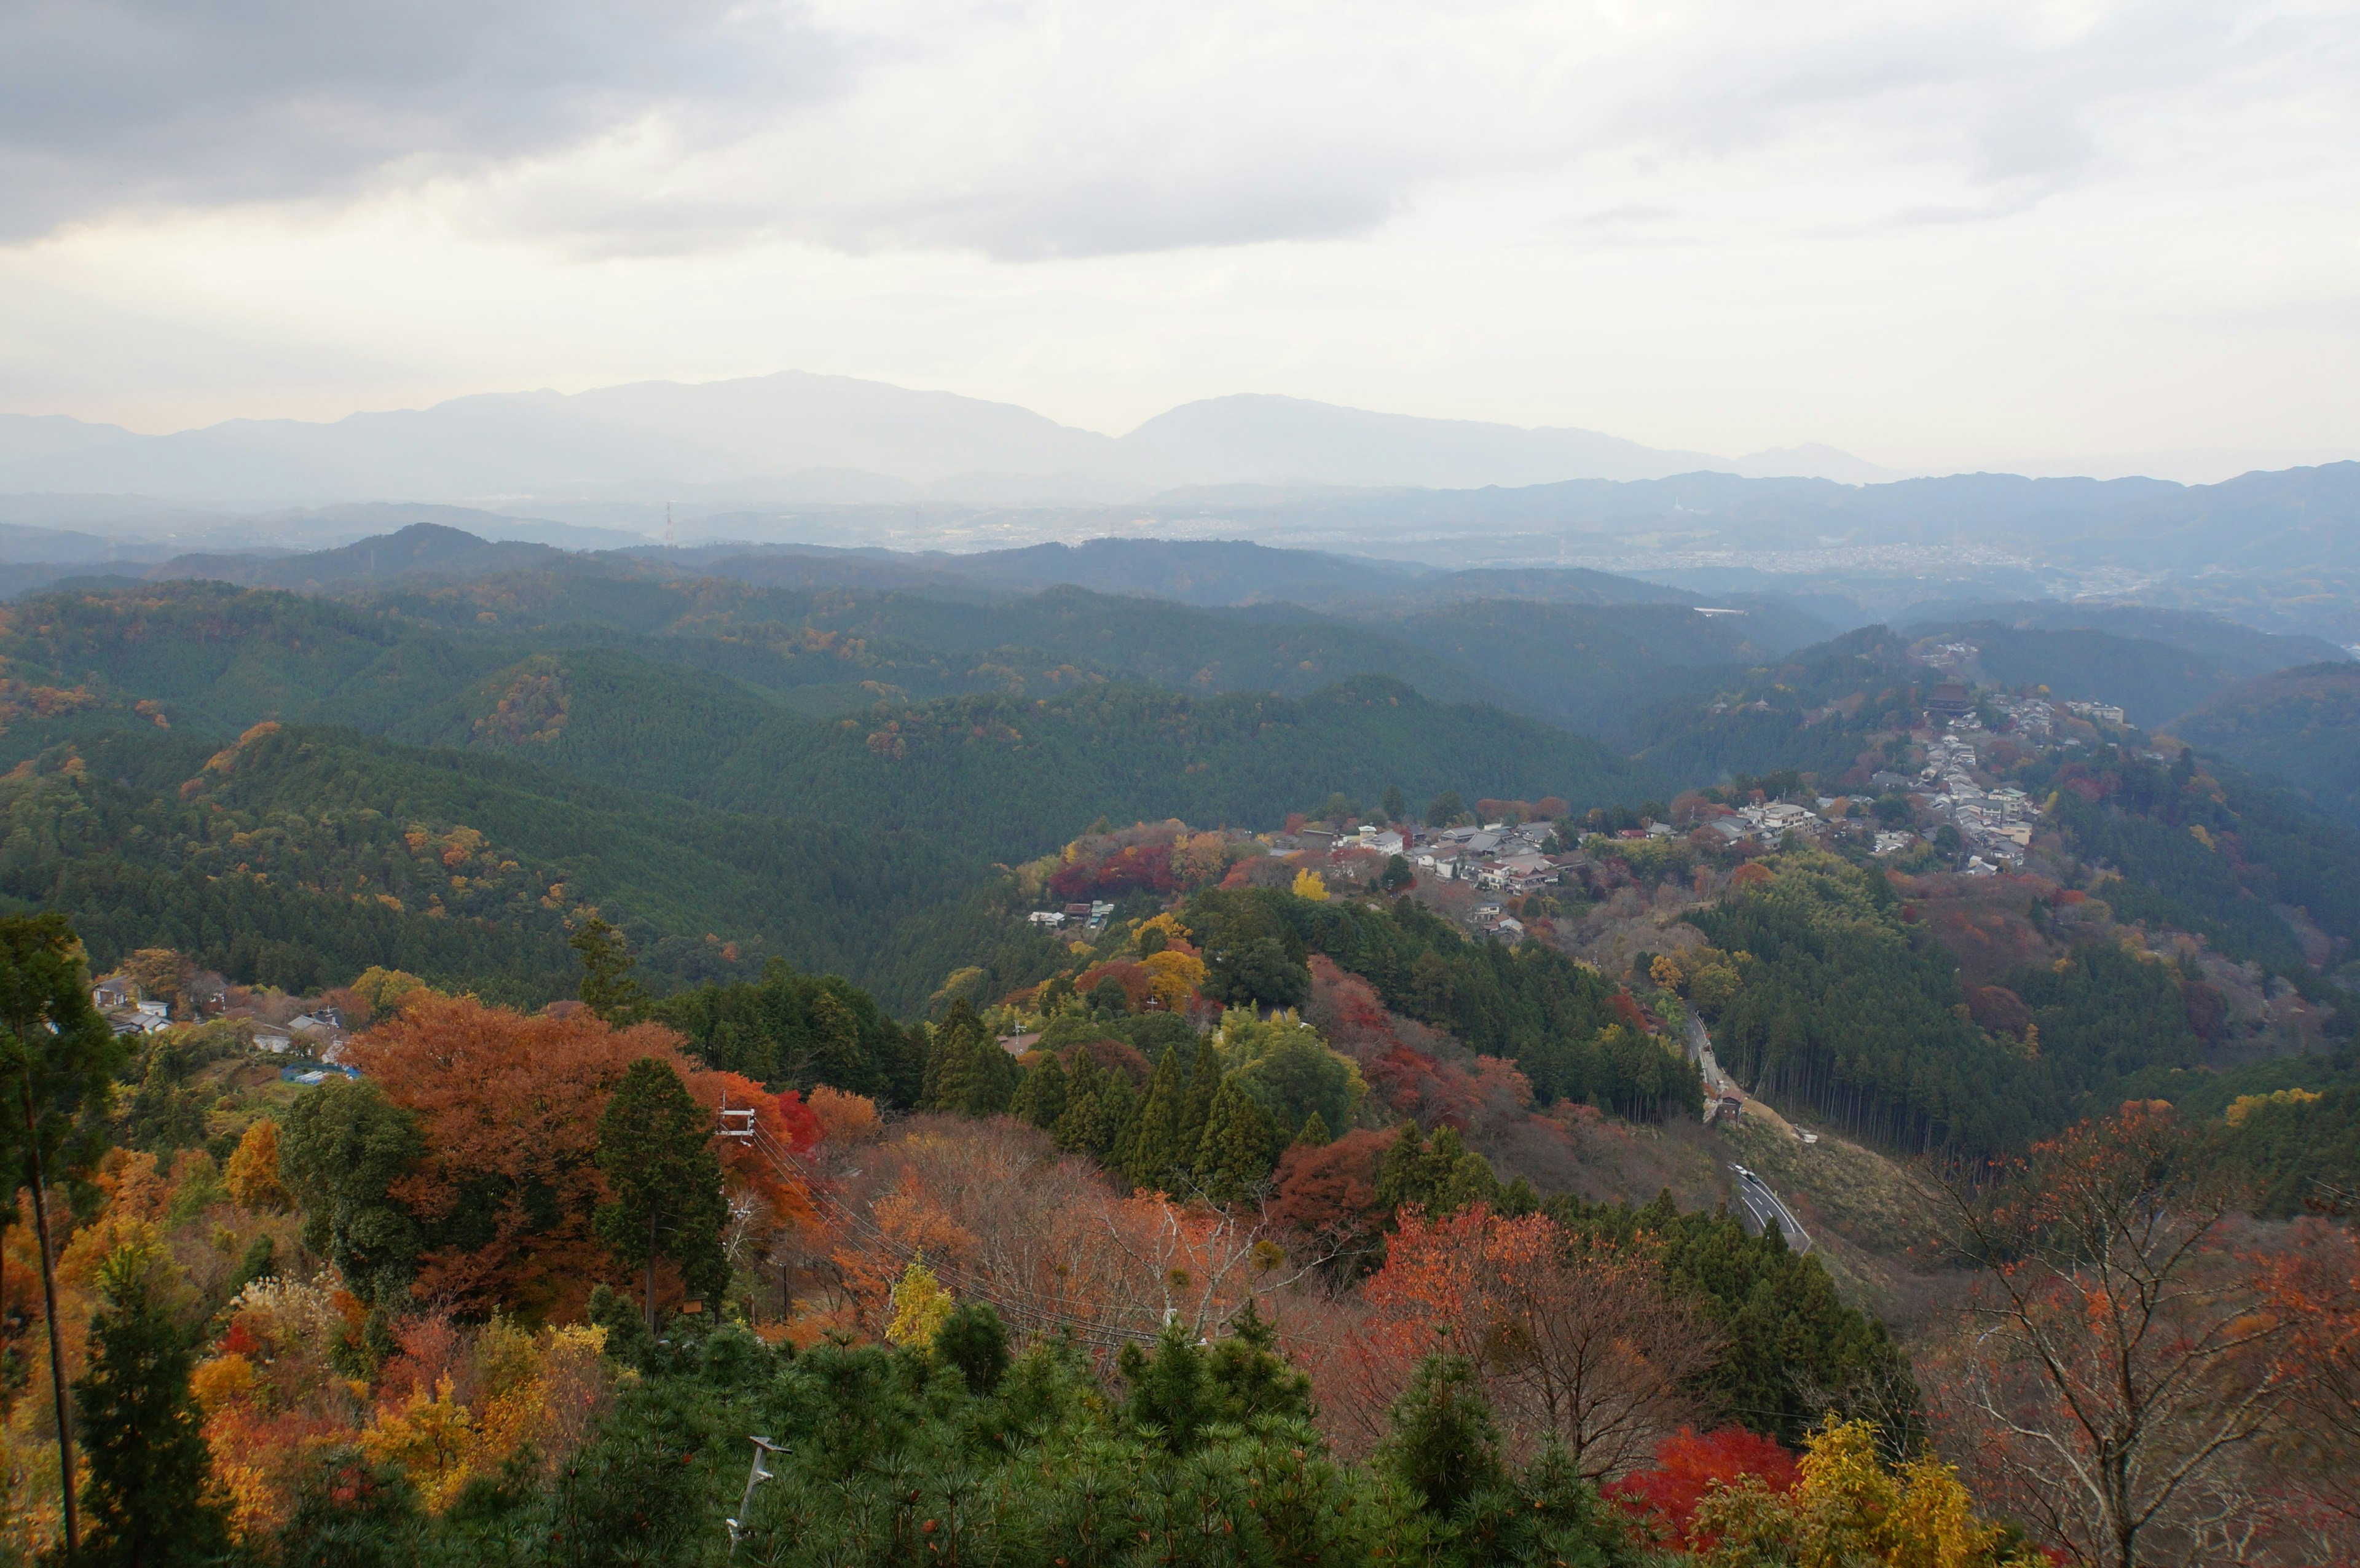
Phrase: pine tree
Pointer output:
(1040, 1098)
(1240, 1143)
(1444, 1446)
(1314, 1133)
(974, 1340)
(148, 1465)
(655, 1144)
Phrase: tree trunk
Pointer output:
(50, 1307)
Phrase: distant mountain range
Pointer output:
(799, 437)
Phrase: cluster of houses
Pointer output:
(1090, 917)
(2097, 712)
(1996, 826)
(1499, 857)
(316, 1032)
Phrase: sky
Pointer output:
(1937, 235)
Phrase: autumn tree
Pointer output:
(1583, 1347)
(1845, 1506)
(2125, 1363)
(58, 1061)
(655, 1145)
(508, 1109)
(147, 1493)
(252, 1175)
(161, 975)
(2313, 1283)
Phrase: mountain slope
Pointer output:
(2301, 725)
(844, 846)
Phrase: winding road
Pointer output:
(1762, 1206)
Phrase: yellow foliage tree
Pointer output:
(1168, 923)
(1173, 974)
(252, 1174)
(1848, 1508)
(1309, 884)
(382, 990)
(920, 1306)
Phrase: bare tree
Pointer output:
(1590, 1347)
(2126, 1364)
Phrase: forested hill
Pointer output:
(705, 819)
(2301, 724)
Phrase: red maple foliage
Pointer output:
(1664, 1499)
(1146, 866)
(1327, 1195)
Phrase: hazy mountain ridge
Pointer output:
(777, 427)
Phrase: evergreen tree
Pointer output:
(1314, 1133)
(655, 1144)
(1240, 1143)
(1079, 1128)
(344, 1146)
(1204, 1087)
(1249, 1378)
(906, 1073)
(1444, 1446)
(58, 1061)
(1109, 997)
(148, 1463)
(608, 988)
(993, 1082)
(974, 1340)
(1440, 1175)
(836, 1056)
(951, 1062)
(1168, 1391)
(1117, 1121)
(1158, 1155)
(1040, 1098)
(1396, 806)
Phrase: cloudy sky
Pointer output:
(1934, 235)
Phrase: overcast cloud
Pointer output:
(1097, 208)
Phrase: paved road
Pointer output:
(1716, 1081)
(1766, 1210)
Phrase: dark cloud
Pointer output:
(107, 104)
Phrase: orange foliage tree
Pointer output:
(508, 1105)
(1581, 1345)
